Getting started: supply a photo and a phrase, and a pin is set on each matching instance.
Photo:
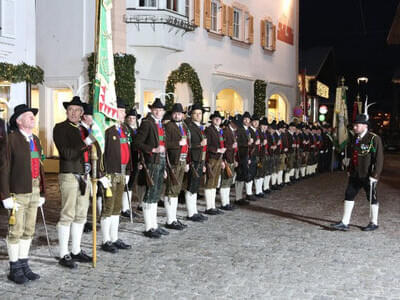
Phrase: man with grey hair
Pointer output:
(22, 190)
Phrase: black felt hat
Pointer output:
(133, 112)
(75, 101)
(246, 115)
(87, 109)
(196, 106)
(157, 104)
(216, 114)
(19, 110)
(361, 119)
(177, 107)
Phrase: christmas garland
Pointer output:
(124, 65)
(185, 73)
(260, 87)
(21, 72)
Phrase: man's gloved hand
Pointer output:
(41, 201)
(373, 180)
(105, 182)
(89, 140)
(127, 177)
(8, 203)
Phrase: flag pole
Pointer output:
(94, 154)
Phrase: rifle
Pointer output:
(170, 172)
(209, 171)
(193, 170)
(149, 180)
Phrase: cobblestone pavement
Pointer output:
(277, 248)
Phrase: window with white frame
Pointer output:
(8, 18)
(172, 5)
(246, 26)
(236, 23)
(269, 35)
(147, 3)
(214, 15)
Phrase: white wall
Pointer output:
(209, 56)
(21, 47)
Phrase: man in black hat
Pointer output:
(117, 164)
(131, 122)
(215, 151)
(23, 190)
(282, 149)
(3, 156)
(290, 155)
(150, 141)
(259, 153)
(244, 140)
(266, 159)
(197, 157)
(177, 144)
(365, 168)
(73, 149)
(252, 159)
(275, 153)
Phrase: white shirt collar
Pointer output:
(197, 123)
(231, 128)
(27, 136)
(253, 128)
(85, 125)
(363, 133)
(155, 119)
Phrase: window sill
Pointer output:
(215, 35)
(269, 50)
(240, 43)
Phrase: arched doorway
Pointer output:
(229, 102)
(183, 94)
(277, 108)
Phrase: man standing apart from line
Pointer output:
(24, 191)
(365, 168)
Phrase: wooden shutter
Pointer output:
(223, 20)
(230, 21)
(251, 29)
(263, 37)
(273, 38)
(207, 14)
(196, 8)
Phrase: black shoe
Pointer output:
(211, 212)
(81, 257)
(183, 225)
(201, 216)
(174, 225)
(109, 247)
(27, 270)
(195, 218)
(126, 214)
(261, 195)
(68, 262)
(219, 212)
(153, 234)
(251, 198)
(370, 227)
(227, 207)
(162, 231)
(267, 192)
(160, 203)
(139, 208)
(17, 273)
(121, 245)
(242, 202)
(88, 227)
(340, 226)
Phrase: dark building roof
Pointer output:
(313, 59)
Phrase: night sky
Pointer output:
(357, 30)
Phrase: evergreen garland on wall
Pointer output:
(260, 88)
(124, 65)
(185, 73)
(21, 72)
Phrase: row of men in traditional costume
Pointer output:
(179, 154)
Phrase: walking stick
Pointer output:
(45, 229)
(94, 202)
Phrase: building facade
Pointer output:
(17, 46)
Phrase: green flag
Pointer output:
(340, 117)
(105, 103)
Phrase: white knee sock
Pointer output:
(239, 190)
(224, 193)
(24, 246)
(114, 228)
(259, 185)
(190, 203)
(249, 188)
(76, 236)
(348, 208)
(105, 224)
(154, 223)
(208, 194)
(171, 205)
(125, 201)
(274, 178)
(280, 177)
(13, 252)
(63, 238)
(266, 182)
